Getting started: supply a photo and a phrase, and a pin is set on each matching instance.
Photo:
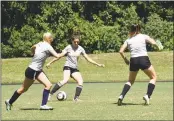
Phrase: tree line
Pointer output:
(103, 25)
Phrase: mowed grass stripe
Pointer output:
(99, 103)
(115, 70)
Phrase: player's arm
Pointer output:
(92, 61)
(33, 48)
(122, 49)
(57, 57)
(153, 42)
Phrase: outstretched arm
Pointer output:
(55, 59)
(92, 61)
(122, 49)
(154, 43)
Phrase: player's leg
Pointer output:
(150, 72)
(127, 86)
(26, 84)
(42, 78)
(78, 77)
(57, 86)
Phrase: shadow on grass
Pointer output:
(29, 108)
(125, 104)
(33, 109)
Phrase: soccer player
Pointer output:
(136, 43)
(70, 69)
(41, 51)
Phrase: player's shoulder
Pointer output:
(80, 47)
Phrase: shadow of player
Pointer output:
(125, 104)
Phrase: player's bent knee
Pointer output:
(80, 82)
(48, 86)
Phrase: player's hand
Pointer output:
(126, 61)
(101, 65)
(48, 65)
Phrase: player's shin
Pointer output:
(14, 97)
(78, 91)
(150, 89)
(56, 87)
(125, 89)
(45, 96)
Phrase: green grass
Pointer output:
(98, 103)
(115, 70)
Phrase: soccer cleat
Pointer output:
(8, 105)
(120, 99)
(146, 99)
(77, 100)
(49, 97)
(45, 107)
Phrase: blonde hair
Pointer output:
(47, 34)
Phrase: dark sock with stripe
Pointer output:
(45, 96)
(78, 91)
(14, 97)
(150, 89)
(56, 87)
(125, 89)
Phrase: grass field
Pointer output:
(115, 70)
(99, 103)
(99, 99)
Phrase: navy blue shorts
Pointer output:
(72, 70)
(32, 74)
(141, 62)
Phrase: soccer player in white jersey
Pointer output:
(70, 69)
(136, 43)
(41, 51)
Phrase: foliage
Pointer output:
(103, 25)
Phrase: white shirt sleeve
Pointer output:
(83, 51)
(146, 37)
(66, 49)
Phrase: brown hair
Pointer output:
(135, 28)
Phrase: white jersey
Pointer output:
(42, 52)
(137, 45)
(73, 55)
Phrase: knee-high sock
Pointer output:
(150, 89)
(45, 96)
(56, 87)
(78, 91)
(14, 97)
(125, 89)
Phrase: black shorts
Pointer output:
(72, 70)
(137, 63)
(32, 74)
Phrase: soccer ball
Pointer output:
(61, 95)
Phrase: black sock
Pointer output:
(125, 89)
(150, 89)
(14, 97)
(45, 96)
(56, 87)
(78, 91)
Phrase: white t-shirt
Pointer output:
(42, 52)
(73, 55)
(137, 45)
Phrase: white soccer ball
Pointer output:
(61, 95)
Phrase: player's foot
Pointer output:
(77, 100)
(45, 107)
(120, 99)
(49, 97)
(146, 99)
(8, 105)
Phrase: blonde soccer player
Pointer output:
(41, 51)
(136, 43)
(70, 69)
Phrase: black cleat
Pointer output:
(120, 99)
